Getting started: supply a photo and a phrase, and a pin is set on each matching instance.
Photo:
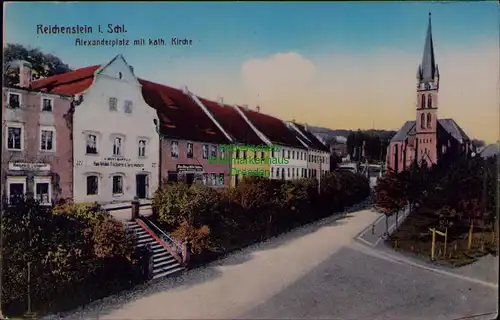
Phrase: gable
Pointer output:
(118, 69)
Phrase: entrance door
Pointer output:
(189, 178)
(141, 186)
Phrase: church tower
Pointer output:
(427, 103)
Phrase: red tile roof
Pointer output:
(180, 115)
(69, 83)
(273, 128)
(313, 142)
(233, 123)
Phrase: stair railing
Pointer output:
(164, 236)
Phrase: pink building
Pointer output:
(37, 153)
(188, 137)
(428, 139)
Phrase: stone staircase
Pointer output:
(164, 263)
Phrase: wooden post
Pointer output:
(433, 246)
(445, 240)
(469, 245)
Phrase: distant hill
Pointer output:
(329, 134)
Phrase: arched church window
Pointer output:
(429, 101)
(429, 119)
(422, 120)
(422, 102)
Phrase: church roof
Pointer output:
(490, 150)
(449, 125)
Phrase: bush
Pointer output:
(256, 209)
(64, 251)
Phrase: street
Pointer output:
(318, 271)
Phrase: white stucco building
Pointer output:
(115, 138)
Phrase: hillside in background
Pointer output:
(330, 134)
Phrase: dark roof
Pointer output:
(180, 116)
(448, 125)
(491, 150)
(312, 141)
(404, 132)
(232, 122)
(428, 68)
(273, 128)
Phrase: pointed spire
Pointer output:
(428, 67)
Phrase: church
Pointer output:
(427, 139)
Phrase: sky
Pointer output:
(341, 65)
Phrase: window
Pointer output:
(255, 155)
(142, 148)
(288, 169)
(293, 172)
(244, 154)
(272, 153)
(422, 121)
(174, 150)
(237, 154)
(117, 185)
(172, 176)
(262, 155)
(190, 150)
(47, 139)
(92, 185)
(91, 147)
(120, 75)
(221, 179)
(293, 154)
(213, 179)
(43, 192)
(14, 100)
(429, 119)
(47, 104)
(117, 146)
(213, 151)
(422, 102)
(204, 149)
(429, 101)
(16, 189)
(15, 136)
(288, 154)
(272, 172)
(112, 104)
(127, 106)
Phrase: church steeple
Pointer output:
(428, 69)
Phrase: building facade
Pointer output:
(249, 154)
(115, 139)
(37, 154)
(289, 159)
(428, 139)
(189, 137)
(318, 155)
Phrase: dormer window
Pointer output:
(120, 75)
(113, 104)
(127, 107)
(14, 100)
(47, 104)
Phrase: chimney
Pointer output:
(185, 90)
(246, 107)
(258, 109)
(221, 101)
(305, 126)
(25, 75)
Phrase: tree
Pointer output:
(390, 196)
(43, 64)
(335, 159)
(476, 143)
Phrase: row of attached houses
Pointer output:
(100, 134)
